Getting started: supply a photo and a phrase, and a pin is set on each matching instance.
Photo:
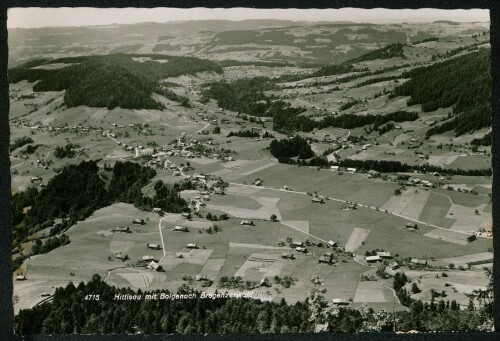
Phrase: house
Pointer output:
(258, 182)
(301, 249)
(21, 277)
(147, 258)
(317, 200)
(157, 210)
(218, 191)
(331, 243)
(411, 226)
(186, 215)
(247, 222)
(351, 170)
(138, 221)
(334, 168)
(177, 173)
(264, 282)
(192, 246)
(181, 228)
(121, 256)
(372, 259)
(200, 278)
(340, 301)
(327, 258)
(419, 261)
(287, 255)
(154, 246)
(121, 229)
(384, 254)
(155, 266)
(298, 244)
(394, 265)
(35, 179)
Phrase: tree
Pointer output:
(216, 130)
(274, 217)
(415, 289)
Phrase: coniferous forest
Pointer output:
(71, 311)
(462, 83)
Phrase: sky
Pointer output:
(57, 17)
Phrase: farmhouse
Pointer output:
(340, 301)
(264, 282)
(121, 229)
(181, 228)
(301, 249)
(246, 222)
(384, 254)
(351, 170)
(331, 243)
(192, 246)
(419, 261)
(35, 179)
(258, 182)
(200, 278)
(394, 265)
(147, 258)
(156, 210)
(411, 226)
(154, 246)
(155, 266)
(138, 221)
(287, 255)
(121, 256)
(372, 259)
(327, 258)
(21, 277)
(317, 200)
(334, 168)
(298, 244)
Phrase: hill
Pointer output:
(117, 80)
(462, 82)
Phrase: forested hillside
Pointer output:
(386, 52)
(70, 312)
(109, 81)
(78, 190)
(462, 82)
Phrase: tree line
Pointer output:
(462, 83)
(70, 312)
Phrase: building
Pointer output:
(192, 246)
(35, 179)
(417, 261)
(394, 265)
(411, 226)
(317, 200)
(327, 258)
(154, 246)
(384, 254)
(298, 244)
(157, 210)
(264, 282)
(351, 170)
(287, 255)
(181, 229)
(121, 229)
(138, 221)
(121, 256)
(331, 243)
(247, 222)
(200, 278)
(341, 301)
(373, 259)
(258, 182)
(334, 168)
(21, 277)
(155, 266)
(148, 258)
(301, 249)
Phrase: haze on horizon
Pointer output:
(66, 17)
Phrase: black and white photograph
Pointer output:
(240, 170)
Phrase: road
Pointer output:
(162, 242)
